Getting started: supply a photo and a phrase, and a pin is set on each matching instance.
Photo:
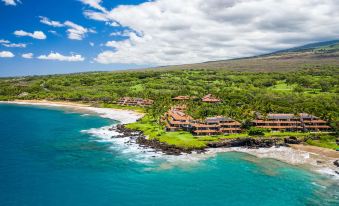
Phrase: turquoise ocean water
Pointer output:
(47, 159)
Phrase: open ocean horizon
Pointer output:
(53, 156)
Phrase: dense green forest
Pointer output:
(314, 90)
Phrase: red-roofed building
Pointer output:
(210, 99)
(180, 98)
(176, 119)
(291, 122)
(131, 101)
(216, 125)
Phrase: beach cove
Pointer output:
(214, 160)
(315, 158)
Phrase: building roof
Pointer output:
(307, 116)
(135, 101)
(279, 127)
(275, 121)
(286, 116)
(181, 98)
(197, 125)
(179, 115)
(230, 129)
(282, 116)
(210, 98)
(235, 123)
(178, 122)
(218, 119)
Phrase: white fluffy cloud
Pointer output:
(94, 4)
(27, 55)
(49, 22)
(35, 34)
(11, 2)
(19, 45)
(176, 31)
(6, 54)
(76, 32)
(8, 44)
(59, 57)
(4, 41)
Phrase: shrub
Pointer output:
(255, 131)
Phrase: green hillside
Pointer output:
(308, 56)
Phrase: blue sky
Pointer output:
(25, 16)
(65, 36)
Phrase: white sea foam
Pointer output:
(317, 163)
(127, 146)
(123, 116)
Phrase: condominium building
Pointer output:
(131, 101)
(291, 122)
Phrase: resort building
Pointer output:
(312, 123)
(179, 98)
(131, 101)
(210, 99)
(291, 122)
(216, 125)
(175, 119)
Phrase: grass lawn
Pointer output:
(154, 131)
(287, 134)
(282, 86)
(326, 141)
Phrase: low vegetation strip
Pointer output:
(185, 140)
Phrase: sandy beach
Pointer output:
(313, 158)
(316, 150)
(122, 115)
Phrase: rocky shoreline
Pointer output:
(142, 140)
(248, 143)
(251, 143)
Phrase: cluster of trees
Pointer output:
(310, 90)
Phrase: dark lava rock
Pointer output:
(292, 140)
(125, 131)
(336, 163)
(218, 144)
(165, 148)
(247, 142)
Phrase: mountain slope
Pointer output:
(307, 56)
(327, 45)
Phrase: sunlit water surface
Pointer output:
(48, 159)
